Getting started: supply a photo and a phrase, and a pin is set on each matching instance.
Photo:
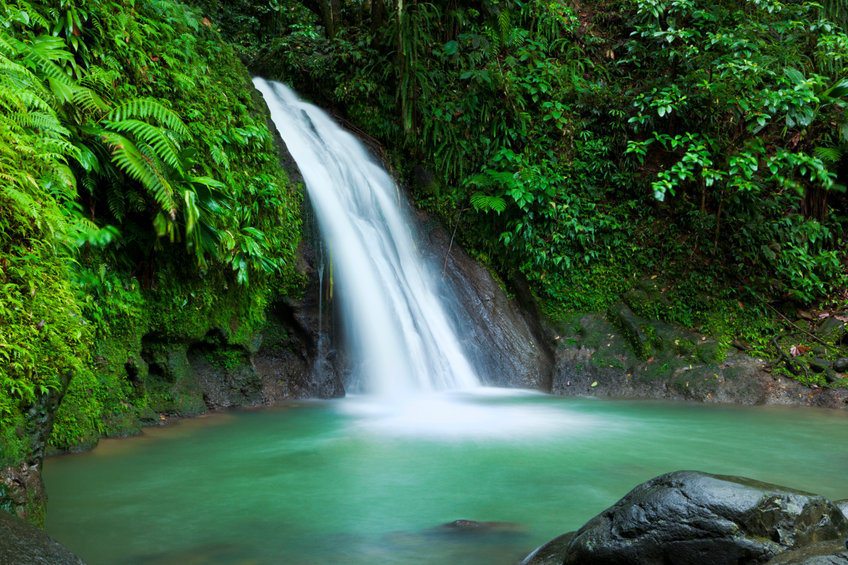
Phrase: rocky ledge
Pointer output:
(693, 518)
(21, 543)
(620, 354)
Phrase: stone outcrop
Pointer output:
(619, 354)
(504, 334)
(21, 543)
(689, 517)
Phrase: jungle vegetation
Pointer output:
(585, 146)
(577, 146)
(140, 196)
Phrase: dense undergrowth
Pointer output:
(586, 146)
(141, 202)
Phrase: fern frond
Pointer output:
(127, 156)
(44, 52)
(22, 203)
(58, 149)
(158, 140)
(117, 203)
(24, 99)
(148, 108)
(89, 101)
(45, 122)
(486, 202)
(504, 25)
(830, 155)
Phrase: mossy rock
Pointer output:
(170, 384)
(832, 331)
(640, 333)
(710, 352)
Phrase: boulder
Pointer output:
(689, 517)
(21, 543)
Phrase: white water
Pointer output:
(402, 341)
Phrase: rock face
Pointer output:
(504, 336)
(22, 543)
(689, 517)
(619, 354)
(21, 484)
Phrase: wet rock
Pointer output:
(689, 517)
(551, 553)
(827, 553)
(22, 492)
(22, 543)
(505, 338)
(226, 375)
(841, 365)
(475, 526)
(171, 383)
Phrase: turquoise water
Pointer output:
(353, 482)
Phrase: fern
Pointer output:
(830, 155)
(485, 202)
(43, 121)
(22, 203)
(148, 108)
(127, 156)
(157, 139)
(89, 101)
(45, 51)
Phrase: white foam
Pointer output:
(485, 413)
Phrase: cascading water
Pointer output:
(401, 339)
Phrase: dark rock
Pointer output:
(170, 383)
(819, 365)
(424, 181)
(475, 526)
(551, 553)
(825, 553)
(298, 358)
(505, 337)
(830, 376)
(22, 492)
(841, 365)
(689, 517)
(593, 358)
(21, 485)
(22, 543)
(831, 330)
(639, 332)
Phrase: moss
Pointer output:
(711, 352)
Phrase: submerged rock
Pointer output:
(22, 543)
(485, 527)
(689, 517)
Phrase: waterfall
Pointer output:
(402, 340)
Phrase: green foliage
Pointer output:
(129, 143)
(701, 143)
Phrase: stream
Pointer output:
(361, 481)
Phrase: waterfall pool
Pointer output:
(355, 481)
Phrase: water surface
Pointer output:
(353, 481)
